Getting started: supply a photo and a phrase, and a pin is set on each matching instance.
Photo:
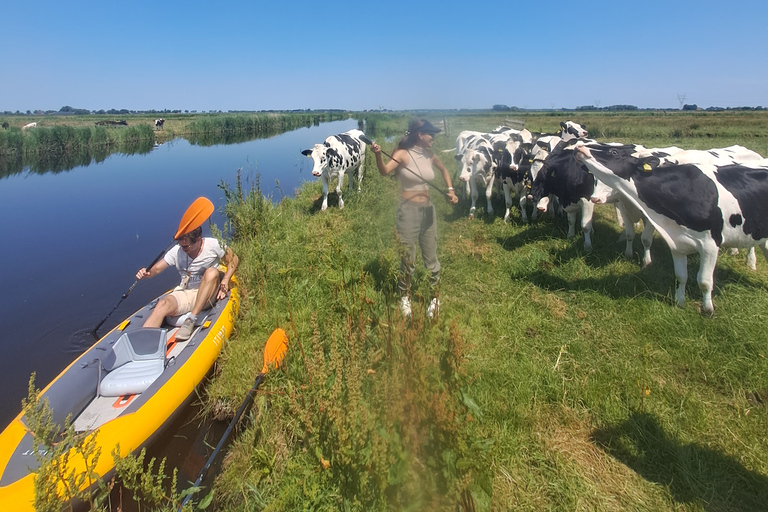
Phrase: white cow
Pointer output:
(338, 155)
(28, 126)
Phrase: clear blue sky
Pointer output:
(278, 54)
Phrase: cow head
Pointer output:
(320, 157)
(621, 160)
(570, 130)
(474, 162)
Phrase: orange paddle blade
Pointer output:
(274, 351)
(197, 213)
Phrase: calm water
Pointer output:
(73, 241)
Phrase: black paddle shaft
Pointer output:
(369, 142)
(246, 403)
(129, 291)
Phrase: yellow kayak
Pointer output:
(126, 388)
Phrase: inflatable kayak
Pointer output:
(126, 388)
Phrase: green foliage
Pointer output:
(59, 450)
(153, 488)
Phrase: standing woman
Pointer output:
(412, 163)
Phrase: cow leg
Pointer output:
(751, 259)
(681, 276)
(507, 199)
(360, 169)
(587, 211)
(524, 208)
(764, 248)
(647, 238)
(338, 188)
(488, 193)
(473, 193)
(324, 181)
(571, 223)
(706, 277)
(620, 214)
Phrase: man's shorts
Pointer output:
(185, 300)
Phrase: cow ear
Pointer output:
(562, 125)
(306, 152)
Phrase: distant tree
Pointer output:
(502, 108)
(621, 107)
(587, 107)
(66, 108)
(690, 107)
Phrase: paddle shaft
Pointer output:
(369, 141)
(130, 290)
(248, 400)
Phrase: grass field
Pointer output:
(551, 380)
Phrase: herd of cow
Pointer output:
(698, 201)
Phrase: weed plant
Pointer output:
(551, 380)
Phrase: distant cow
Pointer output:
(339, 155)
(6, 125)
(695, 207)
(28, 126)
(159, 124)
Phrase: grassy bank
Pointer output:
(552, 379)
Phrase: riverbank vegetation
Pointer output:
(550, 380)
(60, 143)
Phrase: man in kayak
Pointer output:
(197, 259)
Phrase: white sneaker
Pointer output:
(434, 308)
(405, 305)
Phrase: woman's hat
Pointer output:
(427, 128)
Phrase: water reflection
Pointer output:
(56, 162)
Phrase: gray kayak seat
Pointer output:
(134, 362)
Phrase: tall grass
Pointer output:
(552, 379)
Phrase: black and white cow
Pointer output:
(339, 155)
(478, 170)
(695, 207)
(565, 179)
(6, 125)
(159, 124)
(629, 213)
(511, 149)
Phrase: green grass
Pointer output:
(552, 380)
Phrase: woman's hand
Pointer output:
(375, 148)
(141, 274)
(452, 197)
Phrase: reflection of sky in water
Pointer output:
(74, 240)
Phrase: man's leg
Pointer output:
(165, 306)
(206, 294)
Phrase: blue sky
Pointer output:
(397, 55)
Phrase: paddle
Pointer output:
(369, 142)
(197, 213)
(274, 352)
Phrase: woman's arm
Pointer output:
(446, 176)
(399, 157)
